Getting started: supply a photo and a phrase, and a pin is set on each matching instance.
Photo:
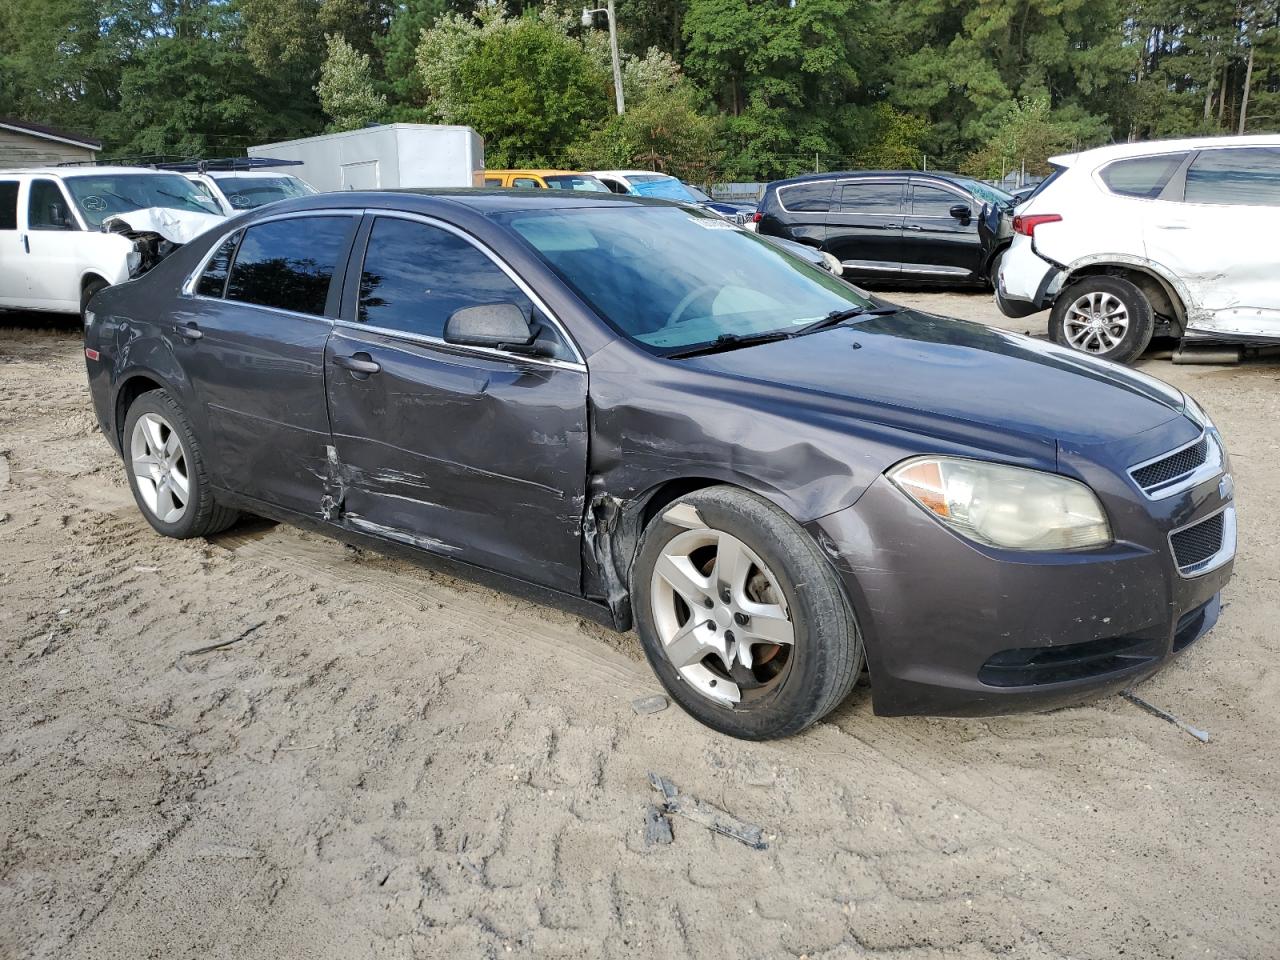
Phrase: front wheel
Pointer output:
(1107, 317)
(741, 617)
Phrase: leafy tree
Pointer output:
(528, 87)
(346, 89)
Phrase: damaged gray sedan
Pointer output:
(648, 415)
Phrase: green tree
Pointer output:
(346, 88)
(523, 83)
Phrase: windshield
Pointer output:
(696, 193)
(245, 193)
(986, 192)
(672, 278)
(99, 197)
(659, 185)
(576, 181)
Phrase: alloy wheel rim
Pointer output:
(160, 468)
(1096, 322)
(721, 616)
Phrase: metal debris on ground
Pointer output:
(713, 818)
(647, 705)
(1201, 735)
(657, 828)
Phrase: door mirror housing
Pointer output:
(500, 326)
(961, 211)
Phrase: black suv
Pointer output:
(895, 224)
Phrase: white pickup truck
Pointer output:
(67, 232)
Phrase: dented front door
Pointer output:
(470, 453)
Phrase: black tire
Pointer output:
(821, 666)
(993, 269)
(90, 288)
(203, 515)
(1141, 317)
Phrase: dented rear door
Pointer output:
(470, 453)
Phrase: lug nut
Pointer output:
(724, 595)
(728, 636)
(740, 619)
(708, 603)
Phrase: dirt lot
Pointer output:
(397, 764)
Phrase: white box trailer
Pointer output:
(386, 156)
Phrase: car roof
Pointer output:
(629, 173)
(484, 201)
(866, 174)
(1146, 148)
(85, 171)
(535, 172)
(239, 174)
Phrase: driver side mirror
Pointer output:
(961, 211)
(500, 326)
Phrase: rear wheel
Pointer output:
(166, 470)
(741, 618)
(1105, 316)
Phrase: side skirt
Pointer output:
(569, 603)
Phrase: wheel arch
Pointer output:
(130, 387)
(1167, 295)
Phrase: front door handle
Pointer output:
(189, 331)
(914, 226)
(359, 364)
(26, 243)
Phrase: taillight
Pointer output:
(757, 217)
(1026, 223)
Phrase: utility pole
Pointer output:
(587, 21)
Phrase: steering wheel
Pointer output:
(674, 316)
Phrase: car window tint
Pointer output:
(288, 263)
(415, 275)
(934, 201)
(875, 197)
(492, 182)
(47, 208)
(1241, 175)
(1142, 176)
(8, 204)
(525, 183)
(213, 281)
(806, 197)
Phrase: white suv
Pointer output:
(1173, 238)
(237, 190)
(67, 232)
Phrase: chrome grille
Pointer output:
(1194, 545)
(1174, 467)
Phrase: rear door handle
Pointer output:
(190, 331)
(26, 243)
(1174, 225)
(360, 363)
(914, 226)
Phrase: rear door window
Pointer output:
(526, 183)
(415, 275)
(213, 282)
(806, 197)
(8, 204)
(289, 264)
(1144, 177)
(879, 197)
(1238, 175)
(47, 208)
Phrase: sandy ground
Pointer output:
(397, 764)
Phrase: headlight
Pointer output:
(1009, 507)
(833, 263)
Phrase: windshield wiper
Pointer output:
(731, 341)
(836, 317)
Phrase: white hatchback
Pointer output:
(1172, 238)
(67, 232)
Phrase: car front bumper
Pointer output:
(954, 628)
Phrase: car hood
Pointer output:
(176, 226)
(916, 371)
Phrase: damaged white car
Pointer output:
(67, 232)
(1172, 238)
